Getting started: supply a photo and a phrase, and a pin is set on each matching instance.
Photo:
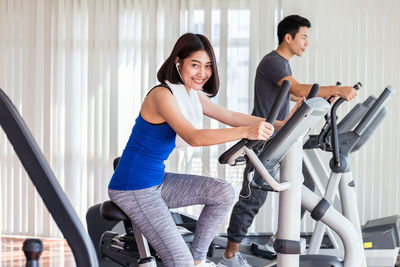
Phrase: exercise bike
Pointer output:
(129, 246)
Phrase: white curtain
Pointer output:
(59, 63)
(78, 71)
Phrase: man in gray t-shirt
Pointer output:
(273, 69)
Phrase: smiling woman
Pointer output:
(141, 187)
(197, 70)
(197, 52)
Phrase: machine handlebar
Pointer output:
(235, 151)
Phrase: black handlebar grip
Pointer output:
(376, 107)
(284, 90)
(276, 107)
(357, 86)
(334, 131)
(330, 98)
(314, 91)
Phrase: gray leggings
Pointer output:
(149, 211)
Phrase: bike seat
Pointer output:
(112, 212)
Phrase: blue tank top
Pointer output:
(142, 161)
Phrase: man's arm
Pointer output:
(301, 90)
(294, 98)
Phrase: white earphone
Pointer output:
(179, 73)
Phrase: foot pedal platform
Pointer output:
(261, 251)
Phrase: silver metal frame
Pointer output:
(143, 248)
(347, 196)
(289, 202)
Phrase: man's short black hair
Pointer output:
(291, 24)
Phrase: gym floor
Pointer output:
(56, 252)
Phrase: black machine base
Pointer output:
(319, 261)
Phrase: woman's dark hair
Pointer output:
(291, 24)
(186, 45)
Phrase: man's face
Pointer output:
(300, 42)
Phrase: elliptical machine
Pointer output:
(285, 149)
(381, 236)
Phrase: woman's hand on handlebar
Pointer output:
(260, 131)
